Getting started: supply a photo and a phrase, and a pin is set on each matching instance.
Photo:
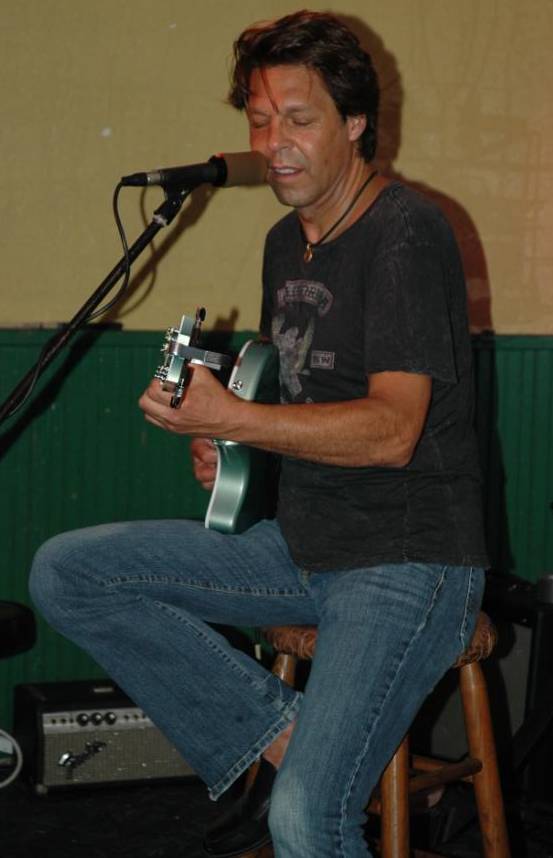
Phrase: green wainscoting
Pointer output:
(80, 453)
(514, 423)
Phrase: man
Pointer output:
(377, 538)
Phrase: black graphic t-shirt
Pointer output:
(386, 295)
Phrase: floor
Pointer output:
(167, 821)
(146, 821)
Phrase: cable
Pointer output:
(123, 288)
(18, 759)
(91, 316)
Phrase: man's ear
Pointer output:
(356, 126)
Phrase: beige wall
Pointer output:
(93, 89)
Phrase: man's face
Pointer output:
(296, 125)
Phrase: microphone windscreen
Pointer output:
(245, 168)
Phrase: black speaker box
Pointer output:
(89, 733)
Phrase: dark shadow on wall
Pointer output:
(49, 387)
(494, 478)
(478, 291)
(389, 145)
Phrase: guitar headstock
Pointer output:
(181, 348)
(173, 372)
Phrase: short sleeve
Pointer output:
(408, 325)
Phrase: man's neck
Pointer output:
(317, 219)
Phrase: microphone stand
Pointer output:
(162, 217)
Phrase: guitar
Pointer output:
(242, 493)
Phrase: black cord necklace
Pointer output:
(309, 245)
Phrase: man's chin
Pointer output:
(289, 196)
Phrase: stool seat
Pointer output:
(405, 776)
(300, 641)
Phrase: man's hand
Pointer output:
(207, 408)
(204, 461)
(201, 412)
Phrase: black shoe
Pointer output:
(244, 827)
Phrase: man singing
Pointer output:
(378, 535)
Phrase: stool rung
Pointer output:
(437, 772)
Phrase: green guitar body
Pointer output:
(243, 493)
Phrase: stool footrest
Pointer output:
(437, 772)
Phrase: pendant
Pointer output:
(308, 255)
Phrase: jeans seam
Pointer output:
(376, 719)
(197, 585)
(232, 663)
(468, 599)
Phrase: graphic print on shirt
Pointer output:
(299, 304)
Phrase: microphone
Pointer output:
(228, 170)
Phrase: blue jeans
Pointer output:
(139, 597)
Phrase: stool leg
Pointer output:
(394, 817)
(284, 667)
(487, 786)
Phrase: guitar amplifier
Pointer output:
(89, 733)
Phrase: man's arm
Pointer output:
(380, 429)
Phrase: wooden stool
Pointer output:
(400, 780)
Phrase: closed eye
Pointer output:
(258, 123)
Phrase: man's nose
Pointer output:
(278, 139)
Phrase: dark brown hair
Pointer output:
(321, 42)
